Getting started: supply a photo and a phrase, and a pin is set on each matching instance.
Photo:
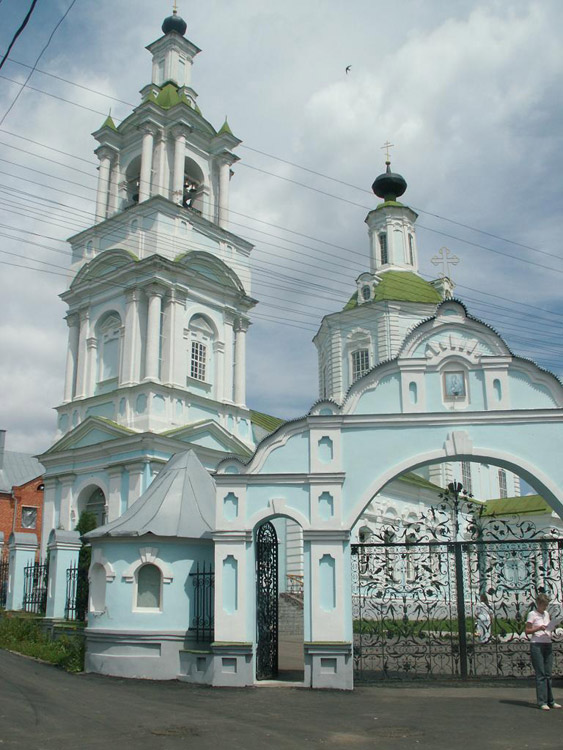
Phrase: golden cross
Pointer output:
(175, 8)
(387, 145)
(445, 259)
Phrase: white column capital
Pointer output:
(72, 319)
(180, 131)
(106, 153)
(149, 128)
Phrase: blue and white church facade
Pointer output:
(156, 438)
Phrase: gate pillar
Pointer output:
(63, 547)
(233, 646)
(22, 550)
(328, 633)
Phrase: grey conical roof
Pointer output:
(179, 503)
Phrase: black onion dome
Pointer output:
(174, 23)
(389, 185)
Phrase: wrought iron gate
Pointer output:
(203, 609)
(77, 588)
(266, 602)
(417, 597)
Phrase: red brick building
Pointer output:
(21, 493)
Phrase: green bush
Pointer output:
(25, 636)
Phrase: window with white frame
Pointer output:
(108, 339)
(360, 363)
(149, 587)
(198, 360)
(466, 476)
(383, 248)
(29, 517)
(502, 489)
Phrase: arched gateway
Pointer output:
(474, 400)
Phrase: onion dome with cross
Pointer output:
(174, 23)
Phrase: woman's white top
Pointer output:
(535, 618)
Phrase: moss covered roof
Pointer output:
(265, 421)
(401, 286)
(225, 128)
(109, 123)
(504, 506)
(418, 481)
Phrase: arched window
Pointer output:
(96, 505)
(132, 179)
(200, 351)
(502, 488)
(108, 339)
(360, 363)
(193, 186)
(149, 587)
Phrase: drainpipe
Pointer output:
(15, 499)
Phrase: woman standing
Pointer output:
(483, 619)
(541, 652)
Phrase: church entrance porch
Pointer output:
(449, 607)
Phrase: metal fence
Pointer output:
(35, 588)
(4, 573)
(203, 620)
(76, 604)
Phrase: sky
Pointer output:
(469, 93)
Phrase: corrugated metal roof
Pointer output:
(18, 468)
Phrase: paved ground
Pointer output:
(43, 708)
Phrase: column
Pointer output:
(65, 519)
(149, 131)
(179, 134)
(23, 547)
(219, 357)
(114, 188)
(73, 323)
(174, 358)
(228, 360)
(81, 370)
(63, 547)
(114, 494)
(162, 176)
(152, 370)
(105, 156)
(136, 472)
(130, 362)
(240, 363)
(224, 179)
(91, 365)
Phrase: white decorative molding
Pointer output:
(148, 556)
(458, 443)
(98, 558)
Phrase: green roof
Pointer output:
(168, 97)
(504, 506)
(401, 286)
(266, 421)
(225, 128)
(109, 123)
(418, 481)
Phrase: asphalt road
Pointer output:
(43, 708)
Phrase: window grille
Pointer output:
(197, 369)
(360, 363)
(383, 248)
(502, 483)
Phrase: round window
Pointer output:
(366, 292)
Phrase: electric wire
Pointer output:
(18, 32)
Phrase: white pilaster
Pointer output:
(135, 482)
(179, 134)
(91, 365)
(65, 520)
(113, 198)
(114, 498)
(149, 132)
(228, 360)
(105, 155)
(224, 179)
(131, 359)
(240, 363)
(81, 368)
(152, 370)
(219, 357)
(73, 322)
(174, 361)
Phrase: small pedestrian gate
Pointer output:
(266, 602)
(4, 573)
(77, 587)
(35, 578)
(427, 607)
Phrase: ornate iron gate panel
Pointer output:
(418, 613)
(266, 602)
(203, 619)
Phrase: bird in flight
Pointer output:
(348, 69)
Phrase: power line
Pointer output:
(52, 34)
(19, 31)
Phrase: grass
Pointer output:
(24, 635)
(419, 628)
